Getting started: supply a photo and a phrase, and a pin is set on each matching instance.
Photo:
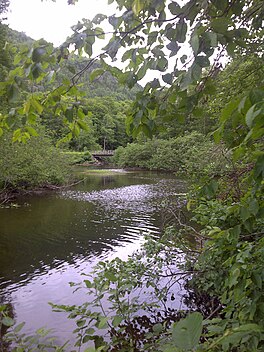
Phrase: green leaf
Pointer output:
(117, 320)
(196, 71)
(212, 37)
(88, 283)
(162, 64)
(251, 114)
(103, 323)
(112, 48)
(181, 30)
(99, 18)
(173, 47)
(202, 61)
(19, 327)
(13, 93)
(167, 78)
(253, 207)
(174, 8)
(195, 43)
(228, 110)
(80, 323)
(220, 25)
(69, 114)
(99, 33)
(186, 333)
(36, 70)
(110, 276)
(36, 105)
(88, 48)
(95, 73)
(82, 125)
(37, 54)
(137, 6)
(31, 131)
(7, 321)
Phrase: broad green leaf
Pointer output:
(174, 8)
(110, 276)
(202, 61)
(220, 25)
(88, 48)
(69, 114)
(137, 6)
(31, 131)
(173, 47)
(228, 110)
(251, 115)
(195, 43)
(88, 283)
(99, 18)
(76, 130)
(103, 323)
(253, 207)
(7, 321)
(230, 48)
(37, 54)
(162, 64)
(196, 71)
(36, 70)
(19, 327)
(181, 31)
(95, 73)
(187, 332)
(99, 33)
(117, 320)
(13, 93)
(36, 105)
(82, 125)
(167, 78)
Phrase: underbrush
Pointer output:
(78, 157)
(32, 165)
(192, 154)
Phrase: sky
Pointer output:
(52, 20)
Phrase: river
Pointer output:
(47, 241)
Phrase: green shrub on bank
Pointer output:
(78, 157)
(34, 164)
(190, 154)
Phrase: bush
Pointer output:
(78, 157)
(34, 164)
(192, 154)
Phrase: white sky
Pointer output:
(52, 20)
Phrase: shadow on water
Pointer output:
(48, 241)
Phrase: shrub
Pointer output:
(34, 164)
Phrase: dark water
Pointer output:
(50, 240)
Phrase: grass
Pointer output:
(101, 172)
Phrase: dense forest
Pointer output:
(202, 119)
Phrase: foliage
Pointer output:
(78, 157)
(192, 154)
(146, 34)
(34, 164)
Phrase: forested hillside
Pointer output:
(101, 107)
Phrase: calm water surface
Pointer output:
(50, 240)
